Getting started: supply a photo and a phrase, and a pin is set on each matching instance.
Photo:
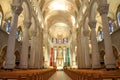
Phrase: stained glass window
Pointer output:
(19, 34)
(111, 26)
(54, 40)
(0, 18)
(118, 17)
(65, 40)
(100, 35)
(8, 27)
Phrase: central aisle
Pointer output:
(59, 75)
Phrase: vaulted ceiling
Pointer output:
(60, 17)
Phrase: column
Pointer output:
(41, 50)
(25, 45)
(79, 50)
(32, 52)
(87, 55)
(51, 56)
(36, 52)
(68, 56)
(66, 61)
(46, 58)
(82, 51)
(73, 60)
(10, 57)
(73, 53)
(55, 56)
(95, 52)
(109, 56)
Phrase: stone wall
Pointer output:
(116, 40)
(115, 36)
(3, 41)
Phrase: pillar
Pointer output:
(87, 54)
(10, 56)
(109, 56)
(36, 52)
(79, 50)
(66, 60)
(72, 48)
(73, 59)
(68, 56)
(32, 52)
(95, 52)
(46, 58)
(25, 46)
(41, 50)
(82, 51)
(51, 56)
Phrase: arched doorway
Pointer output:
(115, 52)
(102, 54)
(2, 56)
(17, 60)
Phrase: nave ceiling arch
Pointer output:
(64, 13)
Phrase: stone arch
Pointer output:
(93, 10)
(2, 56)
(115, 52)
(85, 24)
(117, 55)
(1, 10)
(33, 26)
(86, 27)
(67, 2)
(1, 15)
(111, 15)
(81, 31)
(118, 11)
(26, 8)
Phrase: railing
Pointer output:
(40, 74)
(78, 74)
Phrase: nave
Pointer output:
(40, 37)
(60, 75)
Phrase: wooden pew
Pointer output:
(21, 74)
(114, 75)
(39, 74)
(85, 74)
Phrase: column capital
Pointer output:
(86, 33)
(103, 9)
(27, 24)
(92, 24)
(34, 33)
(17, 9)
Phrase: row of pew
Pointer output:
(78, 74)
(38, 74)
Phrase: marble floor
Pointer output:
(59, 75)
